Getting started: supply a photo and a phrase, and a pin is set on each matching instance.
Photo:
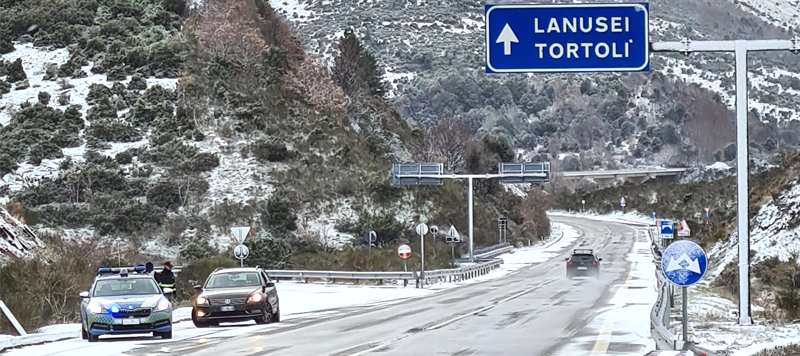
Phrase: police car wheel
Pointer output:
(83, 333)
(166, 335)
(93, 338)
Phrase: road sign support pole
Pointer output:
(469, 212)
(685, 307)
(740, 49)
(526, 173)
(422, 259)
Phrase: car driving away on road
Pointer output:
(583, 262)
(234, 295)
(122, 303)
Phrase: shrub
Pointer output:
(268, 252)
(270, 151)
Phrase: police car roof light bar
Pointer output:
(118, 270)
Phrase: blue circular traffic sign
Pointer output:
(684, 263)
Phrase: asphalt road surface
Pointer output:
(534, 311)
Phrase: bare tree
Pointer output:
(445, 143)
(534, 213)
(230, 30)
(667, 155)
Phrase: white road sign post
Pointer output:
(422, 230)
(684, 263)
(404, 251)
(240, 234)
(740, 49)
(453, 238)
(408, 174)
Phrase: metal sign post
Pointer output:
(684, 263)
(405, 174)
(422, 229)
(740, 49)
(622, 203)
(370, 237)
(453, 238)
(502, 224)
(583, 205)
(404, 251)
(241, 251)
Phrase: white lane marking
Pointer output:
(604, 337)
(376, 348)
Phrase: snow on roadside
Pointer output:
(526, 256)
(620, 217)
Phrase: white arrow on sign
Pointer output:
(507, 37)
(675, 264)
(240, 233)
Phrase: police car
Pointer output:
(122, 303)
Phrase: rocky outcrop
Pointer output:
(16, 238)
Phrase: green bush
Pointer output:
(268, 252)
(113, 131)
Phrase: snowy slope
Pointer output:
(236, 179)
(16, 238)
(773, 232)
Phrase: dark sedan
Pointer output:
(235, 295)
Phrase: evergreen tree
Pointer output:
(355, 70)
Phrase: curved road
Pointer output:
(534, 311)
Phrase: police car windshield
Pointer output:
(125, 286)
(233, 280)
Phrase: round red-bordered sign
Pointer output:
(404, 251)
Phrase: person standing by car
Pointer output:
(148, 268)
(166, 279)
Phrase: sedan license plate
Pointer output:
(228, 308)
(581, 268)
(130, 321)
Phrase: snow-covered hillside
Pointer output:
(774, 232)
(16, 238)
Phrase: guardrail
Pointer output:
(435, 276)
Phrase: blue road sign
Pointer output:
(653, 214)
(684, 263)
(554, 38)
(666, 227)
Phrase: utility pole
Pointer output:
(740, 49)
(408, 174)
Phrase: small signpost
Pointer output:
(240, 234)
(502, 224)
(583, 205)
(666, 228)
(622, 203)
(422, 230)
(370, 237)
(683, 229)
(708, 214)
(653, 215)
(684, 263)
(404, 251)
(453, 238)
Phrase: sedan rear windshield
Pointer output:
(233, 280)
(583, 258)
